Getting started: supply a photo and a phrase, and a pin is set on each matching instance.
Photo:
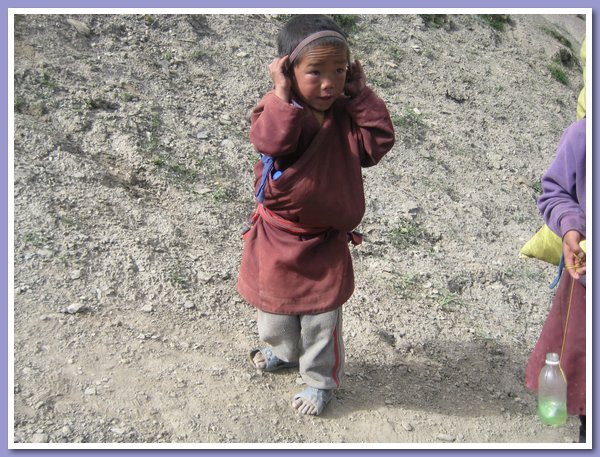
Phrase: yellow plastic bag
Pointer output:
(581, 99)
(544, 245)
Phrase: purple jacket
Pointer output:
(562, 202)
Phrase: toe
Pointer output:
(259, 361)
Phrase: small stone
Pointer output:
(227, 144)
(39, 438)
(75, 308)
(445, 437)
(147, 308)
(189, 305)
(407, 426)
(45, 253)
(81, 27)
(202, 135)
(90, 391)
(204, 277)
(75, 274)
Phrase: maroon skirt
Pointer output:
(551, 340)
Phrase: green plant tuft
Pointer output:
(435, 21)
(497, 21)
(558, 73)
(348, 22)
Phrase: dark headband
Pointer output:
(310, 38)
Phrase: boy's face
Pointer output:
(320, 76)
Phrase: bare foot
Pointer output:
(304, 407)
(311, 401)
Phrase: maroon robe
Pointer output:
(555, 328)
(321, 187)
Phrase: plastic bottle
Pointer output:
(552, 392)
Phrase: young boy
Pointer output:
(315, 130)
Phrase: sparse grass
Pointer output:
(199, 54)
(435, 21)
(68, 221)
(410, 120)
(497, 21)
(159, 162)
(407, 285)
(148, 19)
(221, 194)
(178, 279)
(127, 97)
(558, 73)
(397, 53)
(34, 239)
(19, 104)
(348, 22)
(407, 233)
(558, 37)
(449, 301)
(410, 126)
(537, 187)
(48, 82)
(178, 171)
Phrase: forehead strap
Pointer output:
(310, 38)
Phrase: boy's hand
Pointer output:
(356, 81)
(281, 81)
(574, 255)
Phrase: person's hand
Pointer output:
(356, 81)
(574, 255)
(281, 80)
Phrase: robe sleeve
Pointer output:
(276, 126)
(375, 131)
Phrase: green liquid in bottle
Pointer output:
(552, 412)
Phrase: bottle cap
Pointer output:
(552, 358)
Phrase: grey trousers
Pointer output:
(314, 340)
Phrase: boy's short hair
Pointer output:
(302, 25)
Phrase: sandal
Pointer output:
(317, 397)
(274, 363)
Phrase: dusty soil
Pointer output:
(133, 177)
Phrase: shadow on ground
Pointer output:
(464, 379)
